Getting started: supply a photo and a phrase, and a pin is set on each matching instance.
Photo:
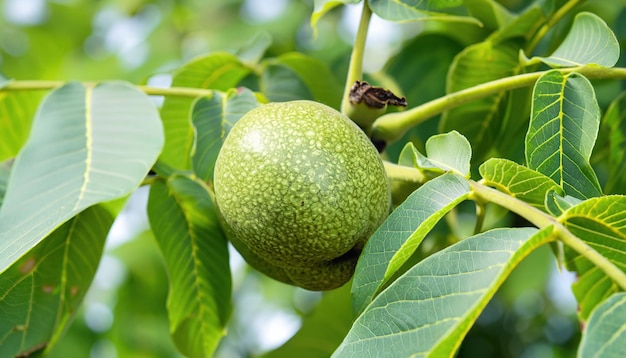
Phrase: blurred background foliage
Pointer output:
(142, 41)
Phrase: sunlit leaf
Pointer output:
(601, 223)
(590, 41)
(184, 222)
(17, 110)
(219, 71)
(400, 235)
(87, 145)
(562, 132)
(428, 310)
(480, 121)
(321, 7)
(518, 181)
(212, 119)
(322, 330)
(41, 292)
(413, 10)
(450, 152)
(605, 332)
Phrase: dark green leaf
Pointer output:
(399, 236)
(185, 225)
(428, 310)
(518, 181)
(280, 83)
(562, 132)
(601, 223)
(480, 121)
(219, 71)
(614, 125)
(590, 41)
(212, 119)
(78, 154)
(605, 333)
(41, 292)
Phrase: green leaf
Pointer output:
(315, 75)
(490, 13)
(414, 10)
(279, 83)
(322, 330)
(524, 25)
(556, 204)
(17, 110)
(321, 7)
(430, 308)
(41, 292)
(590, 41)
(605, 333)
(450, 152)
(614, 125)
(87, 145)
(252, 52)
(518, 181)
(5, 171)
(599, 222)
(212, 119)
(399, 236)
(562, 132)
(480, 121)
(185, 225)
(219, 71)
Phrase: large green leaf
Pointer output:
(605, 333)
(562, 132)
(614, 126)
(322, 330)
(429, 309)
(412, 10)
(399, 236)
(316, 75)
(480, 121)
(518, 181)
(601, 223)
(590, 41)
(212, 119)
(17, 110)
(279, 83)
(41, 292)
(87, 145)
(185, 225)
(219, 71)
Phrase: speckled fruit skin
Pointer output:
(300, 189)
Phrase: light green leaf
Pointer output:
(414, 10)
(322, 330)
(87, 145)
(490, 13)
(448, 151)
(601, 223)
(315, 75)
(428, 310)
(614, 126)
(399, 236)
(212, 119)
(556, 204)
(605, 333)
(321, 7)
(562, 132)
(185, 225)
(5, 171)
(41, 292)
(219, 71)
(518, 181)
(480, 121)
(523, 25)
(252, 52)
(590, 41)
(17, 110)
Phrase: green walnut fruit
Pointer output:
(300, 189)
